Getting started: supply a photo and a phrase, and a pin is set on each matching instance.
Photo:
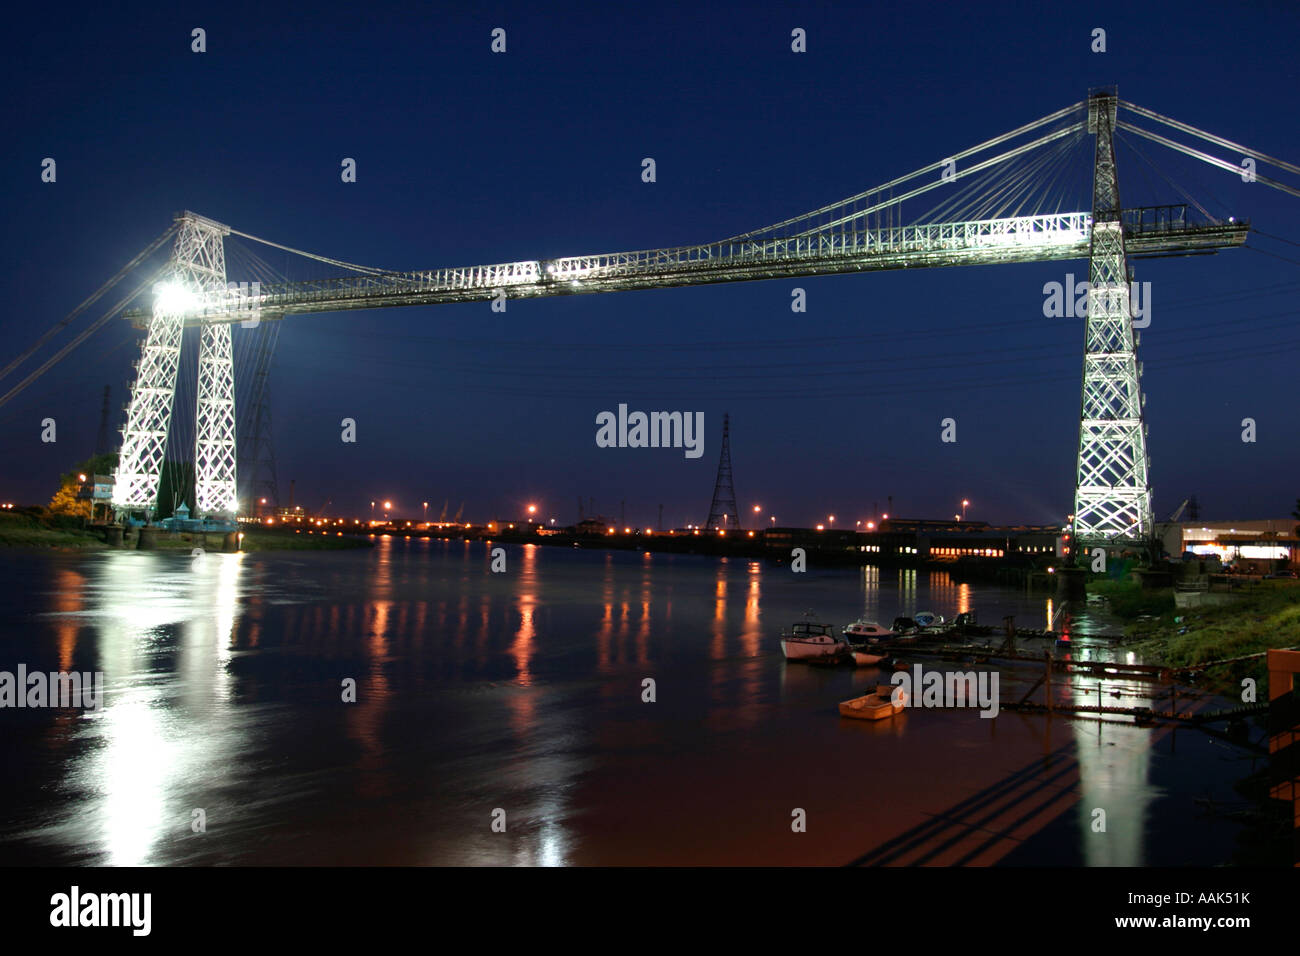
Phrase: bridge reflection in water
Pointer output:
(523, 691)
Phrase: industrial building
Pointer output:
(1267, 543)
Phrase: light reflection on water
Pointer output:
(522, 691)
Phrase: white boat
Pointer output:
(861, 630)
(809, 639)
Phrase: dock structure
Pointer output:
(1284, 736)
(1115, 670)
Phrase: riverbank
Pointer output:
(62, 533)
(1266, 616)
(24, 530)
(284, 541)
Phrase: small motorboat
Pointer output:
(886, 701)
(927, 619)
(861, 631)
(867, 659)
(809, 639)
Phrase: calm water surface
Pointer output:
(522, 691)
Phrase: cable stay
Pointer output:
(90, 300)
(1205, 157)
(84, 334)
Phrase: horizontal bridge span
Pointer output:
(1149, 231)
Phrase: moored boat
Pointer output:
(809, 639)
(885, 701)
(867, 659)
(868, 631)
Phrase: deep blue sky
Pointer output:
(468, 157)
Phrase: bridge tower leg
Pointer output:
(196, 274)
(1112, 498)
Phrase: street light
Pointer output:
(964, 503)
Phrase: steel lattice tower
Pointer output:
(1112, 499)
(195, 279)
(724, 494)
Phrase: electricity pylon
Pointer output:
(724, 494)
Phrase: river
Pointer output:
(516, 698)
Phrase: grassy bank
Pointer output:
(1267, 616)
(40, 529)
(1128, 599)
(20, 529)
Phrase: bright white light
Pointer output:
(173, 298)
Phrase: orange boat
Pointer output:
(886, 701)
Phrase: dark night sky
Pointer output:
(467, 157)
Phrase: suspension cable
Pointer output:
(988, 144)
(94, 297)
(1210, 137)
(85, 334)
(311, 255)
(1204, 157)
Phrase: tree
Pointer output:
(65, 500)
